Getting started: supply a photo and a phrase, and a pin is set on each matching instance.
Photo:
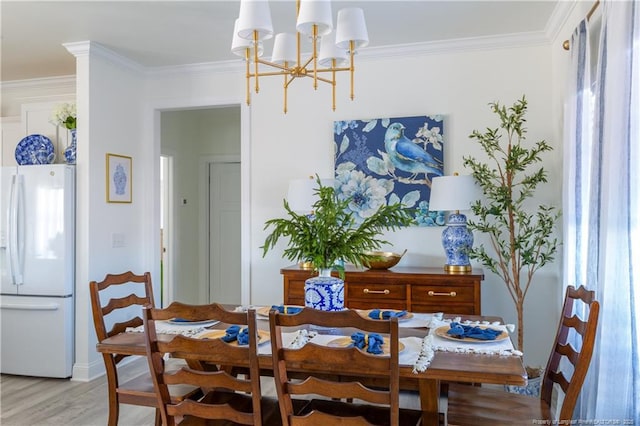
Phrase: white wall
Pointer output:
(109, 104)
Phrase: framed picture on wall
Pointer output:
(119, 178)
(384, 161)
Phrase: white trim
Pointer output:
(84, 48)
(168, 239)
(558, 19)
(68, 81)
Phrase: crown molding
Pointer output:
(504, 41)
(558, 19)
(409, 50)
(86, 48)
(60, 82)
(217, 67)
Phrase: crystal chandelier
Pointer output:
(314, 20)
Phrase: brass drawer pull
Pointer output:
(450, 294)
(367, 291)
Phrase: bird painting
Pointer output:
(408, 156)
(390, 160)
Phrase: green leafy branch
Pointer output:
(330, 234)
(521, 242)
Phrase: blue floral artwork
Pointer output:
(119, 178)
(388, 161)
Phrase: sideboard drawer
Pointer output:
(450, 294)
(373, 292)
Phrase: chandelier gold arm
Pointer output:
(352, 68)
(247, 57)
(255, 57)
(333, 84)
(314, 41)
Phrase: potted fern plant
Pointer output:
(521, 235)
(329, 237)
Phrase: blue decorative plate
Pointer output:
(35, 149)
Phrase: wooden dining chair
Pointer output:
(118, 300)
(227, 397)
(345, 372)
(471, 405)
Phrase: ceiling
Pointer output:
(170, 33)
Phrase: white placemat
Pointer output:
(501, 347)
(164, 327)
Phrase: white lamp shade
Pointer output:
(284, 49)
(314, 12)
(240, 45)
(351, 27)
(329, 51)
(453, 193)
(255, 15)
(300, 195)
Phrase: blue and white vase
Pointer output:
(70, 151)
(324, 292)
(457, 241)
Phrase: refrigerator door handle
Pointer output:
(21, 307)
(12, 218)
(15, 230)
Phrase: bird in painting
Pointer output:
(406, 155)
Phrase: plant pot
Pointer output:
(533, 383)
(324, 292)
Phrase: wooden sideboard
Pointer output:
(417, 289)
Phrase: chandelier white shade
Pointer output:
(329, 52)
(240, 45)
(313, 19)
(255, 20)
(351, 28)
(314, 12)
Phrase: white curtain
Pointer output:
(601, 204)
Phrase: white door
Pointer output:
(224, 232)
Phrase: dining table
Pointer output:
(448, 361)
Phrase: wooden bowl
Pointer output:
(382, 259)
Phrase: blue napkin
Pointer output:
(378, 314)
(473, 332)
(235, 333)
(286, 309)
(243, 336)
(375, 342)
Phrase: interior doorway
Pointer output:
(204, 242)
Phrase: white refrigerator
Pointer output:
(37, 270)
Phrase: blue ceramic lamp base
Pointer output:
(457, 241)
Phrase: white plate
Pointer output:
(405, 317)
(263, 336)
(264, 311)
(176, 321)
(442, 332)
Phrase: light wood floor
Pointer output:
(33, 401)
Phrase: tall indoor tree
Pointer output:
(521, 237)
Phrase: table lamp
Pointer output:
(455, 193)
(300, 195)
